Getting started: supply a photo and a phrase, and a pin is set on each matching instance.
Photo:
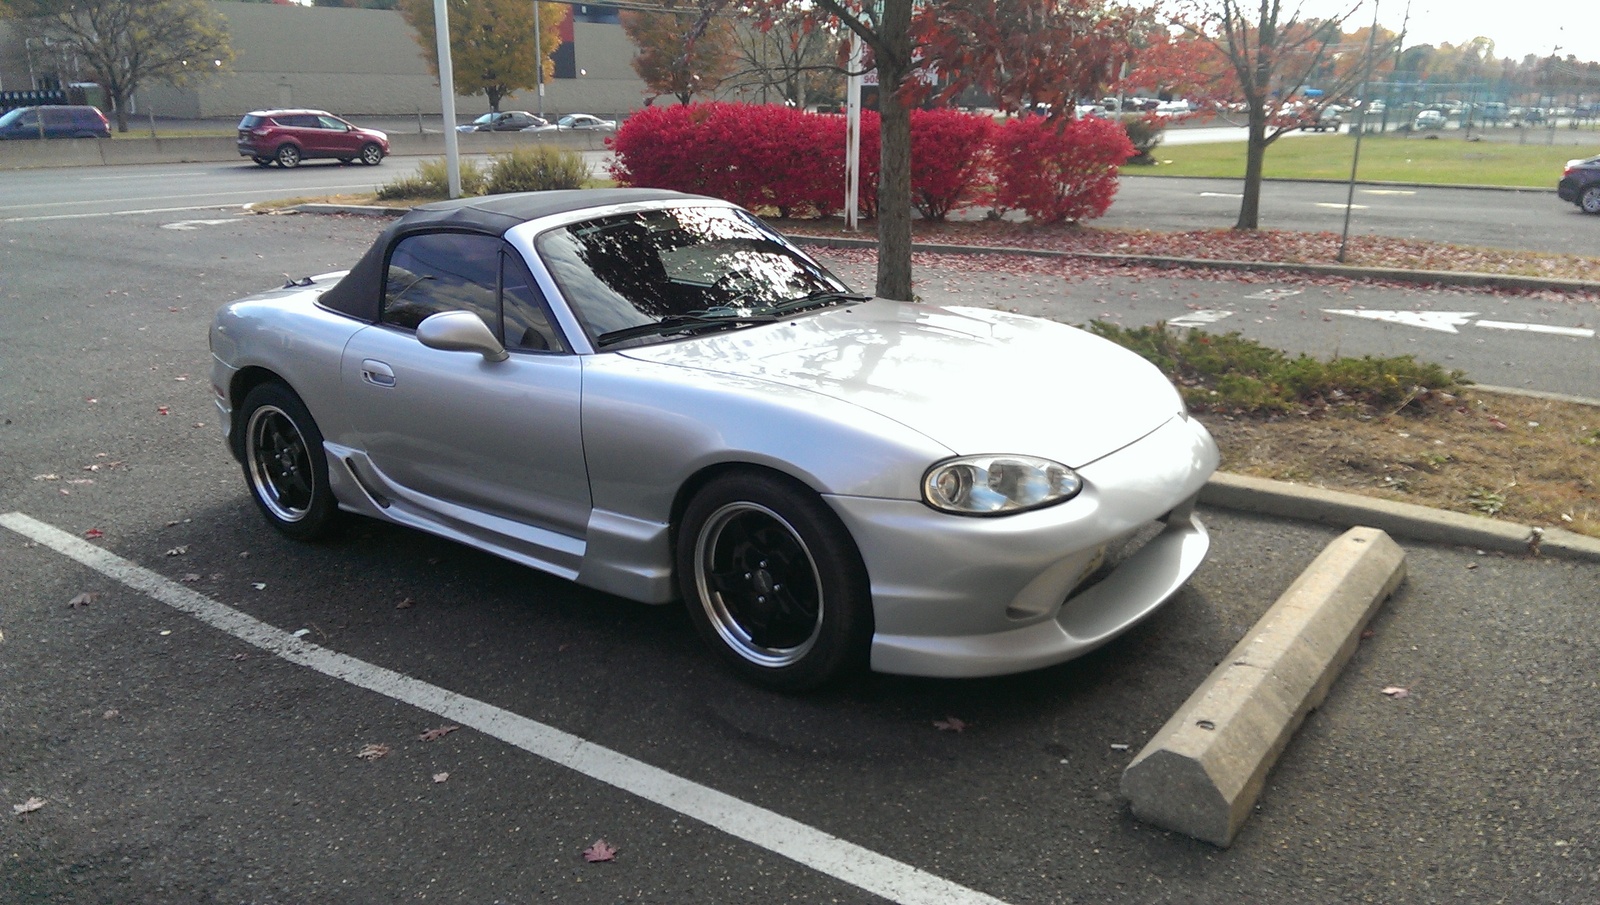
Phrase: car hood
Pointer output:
(973, 380)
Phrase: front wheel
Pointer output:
(284, 464)
(288, 157)
(371, 155)
(773, 582)
(1589, 200)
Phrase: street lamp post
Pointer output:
(538, 59)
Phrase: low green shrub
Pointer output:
(1227, 372)
(432, 181)
(1144, 133)
(538, 168)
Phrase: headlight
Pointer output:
(996, 485)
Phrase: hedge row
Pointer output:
(769, 157)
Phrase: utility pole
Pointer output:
(538, 58)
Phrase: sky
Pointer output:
(1517, 27)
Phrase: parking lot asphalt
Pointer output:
(175, 761)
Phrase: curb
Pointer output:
(1427, 277)
(1203, 771)
(1420, 523)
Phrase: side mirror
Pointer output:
(460, 331)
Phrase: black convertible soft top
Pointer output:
(357, 294)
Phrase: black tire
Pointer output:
(1589, 199)
(345, 161)
(773, 582)
(284, 463)
(371, 154)
(288, 156)
(262, 161)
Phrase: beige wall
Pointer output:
(358, 62)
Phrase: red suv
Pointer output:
(290, 136)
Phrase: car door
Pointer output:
(470, 442)
(335, 138)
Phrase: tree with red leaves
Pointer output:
(1019, 51)
(1273, 55)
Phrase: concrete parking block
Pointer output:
(1204, 770)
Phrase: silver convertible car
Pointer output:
(658, 396)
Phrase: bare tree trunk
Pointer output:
(1254, 159)
(894, 161)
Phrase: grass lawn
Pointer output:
(1446, 160)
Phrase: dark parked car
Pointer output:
(1580, 184)
(54, 122)
(290, 136)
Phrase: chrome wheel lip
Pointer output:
(724, 620)
(267, 483)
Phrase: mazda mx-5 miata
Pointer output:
(658, 396)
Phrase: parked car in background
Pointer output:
(504, 121)
(1428, 119)
(1329, 117)
(1580, 184)
(658, 396)
(286, 137)
(54, 121)
(578, 122)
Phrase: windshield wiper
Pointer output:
(817, 298)
(682, 323)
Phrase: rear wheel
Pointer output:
(371, 154)
(284, 464)
(773, 582)
(1589, 200)
(288, 156)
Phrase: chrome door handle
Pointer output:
(377, 373)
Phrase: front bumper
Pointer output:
(961, 596)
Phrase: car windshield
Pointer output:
(653, 275)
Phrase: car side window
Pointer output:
(328, 122)
(435, 272)
(527, 319)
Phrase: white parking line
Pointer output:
(827, 854)
(1537, 328)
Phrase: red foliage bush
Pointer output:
(1057, 171)
(774, 158)
(763, 157)
(949, 160)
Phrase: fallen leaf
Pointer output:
(34, 804)
(405, 604)
(94, 533)
(111, 715)
(600, 851)
(259, 585)
(1395, 691)
(440, 777)
(373, 752)
(439, 733)
(163, 410)
(179, 550)
(950, 724)
(84, 599)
